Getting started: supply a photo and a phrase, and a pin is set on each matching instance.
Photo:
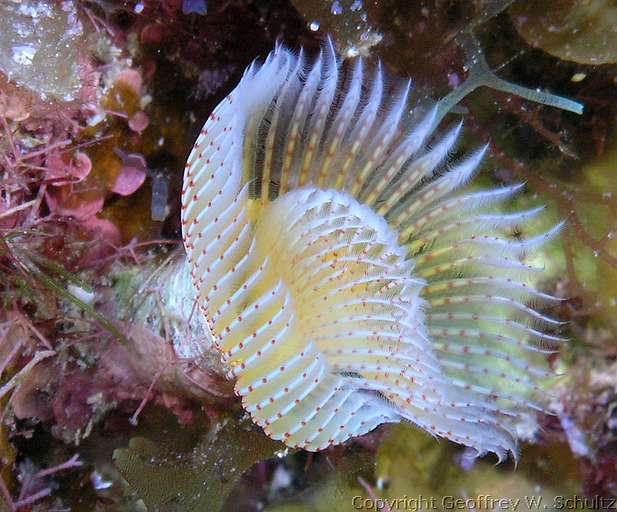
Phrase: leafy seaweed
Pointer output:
(169, 479)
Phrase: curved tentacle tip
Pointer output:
(330, 48)
(519, 186)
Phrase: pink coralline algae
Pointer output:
(63, 168)
(132, 174)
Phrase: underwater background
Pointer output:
(104, 407)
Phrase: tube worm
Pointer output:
(346, 279)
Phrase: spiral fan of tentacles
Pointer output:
(346, 281)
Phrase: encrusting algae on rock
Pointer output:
(345, 280)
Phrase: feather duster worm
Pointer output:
(344, 282)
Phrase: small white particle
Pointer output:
(96, 118)
(99, 482)
(352, 52)
(82, 294)
(356, 6)
(23, 54)
(281, 454)
(281, 479)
